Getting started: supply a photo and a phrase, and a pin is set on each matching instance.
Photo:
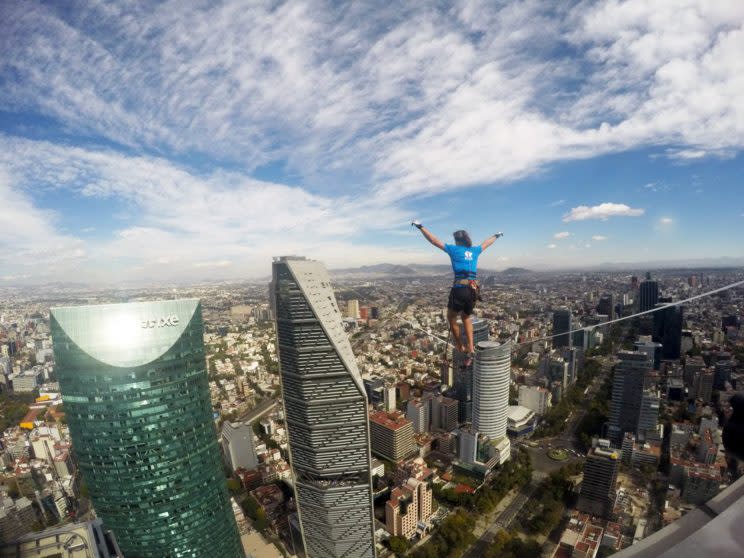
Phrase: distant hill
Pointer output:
(515, 271)
(413, 270)
(377, 269)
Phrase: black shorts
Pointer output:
(462, 299)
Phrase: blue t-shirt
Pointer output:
(464, 260)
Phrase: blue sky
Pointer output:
(173, 140)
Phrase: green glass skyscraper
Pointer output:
(136, 396)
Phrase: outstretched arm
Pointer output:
(428, 235)
(490, 240)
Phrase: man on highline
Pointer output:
(465, 289)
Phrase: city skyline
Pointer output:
(131, 150)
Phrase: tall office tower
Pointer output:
(652, 349)
(606, 306)
(627, 393)
(326, 414)
(447, 409)
(574, 359)
(237, 444)
(703, 385)
(634, 282)
(389, 397)
(134, 384)
(668, 330)
(463, 388)
(597, 495)
(648, 294)
(692, 366)
(648, 415)
(723, 372)
(491, 379)
(417, 411)
(352, 308)
(561, 325)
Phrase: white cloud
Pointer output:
(562, 234)
(551, 246)
(182, 223)
(666, 221)
(556, 203)
(366, 91)
(599, 237)
(30, 234)
(602, 211)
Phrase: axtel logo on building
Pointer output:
(160, 322)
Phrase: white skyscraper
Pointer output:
(389, 397)
(352, 309)
(491, 378)
(326, 414)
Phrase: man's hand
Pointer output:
(416, 223)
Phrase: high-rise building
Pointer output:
(389, 399)
(417, 411)
(392, 435)
(723, 373)
(668, 330)
(238, 446)
(627, 392)
(648, 294)
(491, 380)
(326, 414)
(606, 305)
(703, 385)
(692, 366)
(535, 398)
(134, 383)
(443, 413)
(648, 415)
(463, 388)
(597, 494)
(352, 309)
(652, 349)
(561, 327)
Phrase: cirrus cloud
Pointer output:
(562, 234)
(599, 237)
(602, 211)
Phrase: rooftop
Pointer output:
(393, 421)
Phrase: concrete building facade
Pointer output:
(326, 414)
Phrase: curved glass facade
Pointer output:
(136, 396)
